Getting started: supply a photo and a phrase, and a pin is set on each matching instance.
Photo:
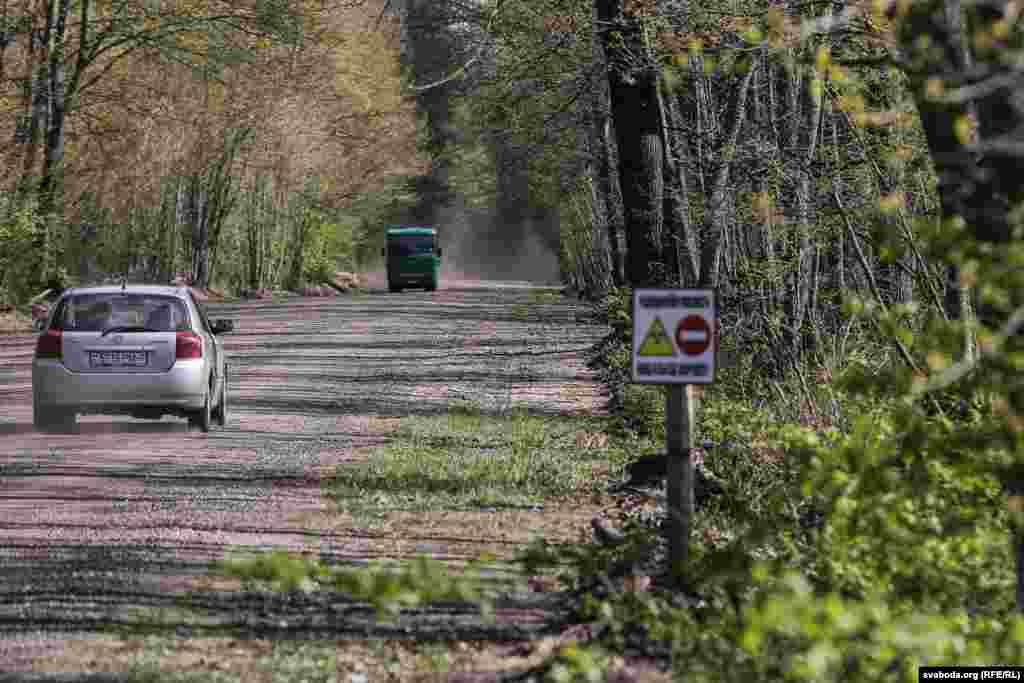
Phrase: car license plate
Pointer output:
(118, 359)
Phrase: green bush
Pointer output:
(21, 230)
(909, 561)
(388, 588)
(328, 248)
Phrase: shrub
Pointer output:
(21, 228)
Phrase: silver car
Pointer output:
(141, 350)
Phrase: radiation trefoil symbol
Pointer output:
(657, 343)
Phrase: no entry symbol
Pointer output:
(693, 335)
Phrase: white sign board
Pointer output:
(674, 336)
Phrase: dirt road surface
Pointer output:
(120, 519)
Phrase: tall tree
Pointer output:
(432, 53)
(74, 56)
(53, 159)
(717, 200)
(608, 210)
(634, 76)
(980, 180)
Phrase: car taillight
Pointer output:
(188, 345)
(49, 344)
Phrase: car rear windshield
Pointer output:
(96, 312)
(412, 245)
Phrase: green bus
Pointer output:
(413, 258)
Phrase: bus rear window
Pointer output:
(411, 246)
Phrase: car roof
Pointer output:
(412, 231)
(164, 290)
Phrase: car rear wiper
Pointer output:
(127, 328)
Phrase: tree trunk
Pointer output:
(6, 36)
(612, 188)
(640, 174)
(714, 213)
(606, 189)
(770, 290)
(53, 160)
(633, 80)
(39, 107)
(281, 234)
(198, 216)
(601, 266)
(169, 230)
(88, 229)
(957, 301)
(800, 298)
(680, 247)
(225, 191)
(705, 115)
(253, 232)
(298, 255)
(431, 53)
(181, 219)
(643, 175)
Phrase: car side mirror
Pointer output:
(439, 251)
(222, 325)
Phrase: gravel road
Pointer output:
(100, 526)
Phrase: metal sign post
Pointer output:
(678, 441)
(674, 344)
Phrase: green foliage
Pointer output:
(21, 250)
(911, 560)
(372, 213)
(474, 168)
(573, 664)
(280, 19)
(328, 246)
(902, 487)
(525, 119)
(826, 637)
(787, 629)
(388, 589)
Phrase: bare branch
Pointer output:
(959, 370)
(451, 77)
(974, 91)
(870, 275)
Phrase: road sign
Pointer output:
(673, 336)
(693, 334)
(656, 343)
(686, 357)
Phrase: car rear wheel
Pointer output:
(221, 413)
(204, 416)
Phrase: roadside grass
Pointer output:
(521, 312)
(546, 297)
(173, 659)
(466, 460)
(534, 309)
